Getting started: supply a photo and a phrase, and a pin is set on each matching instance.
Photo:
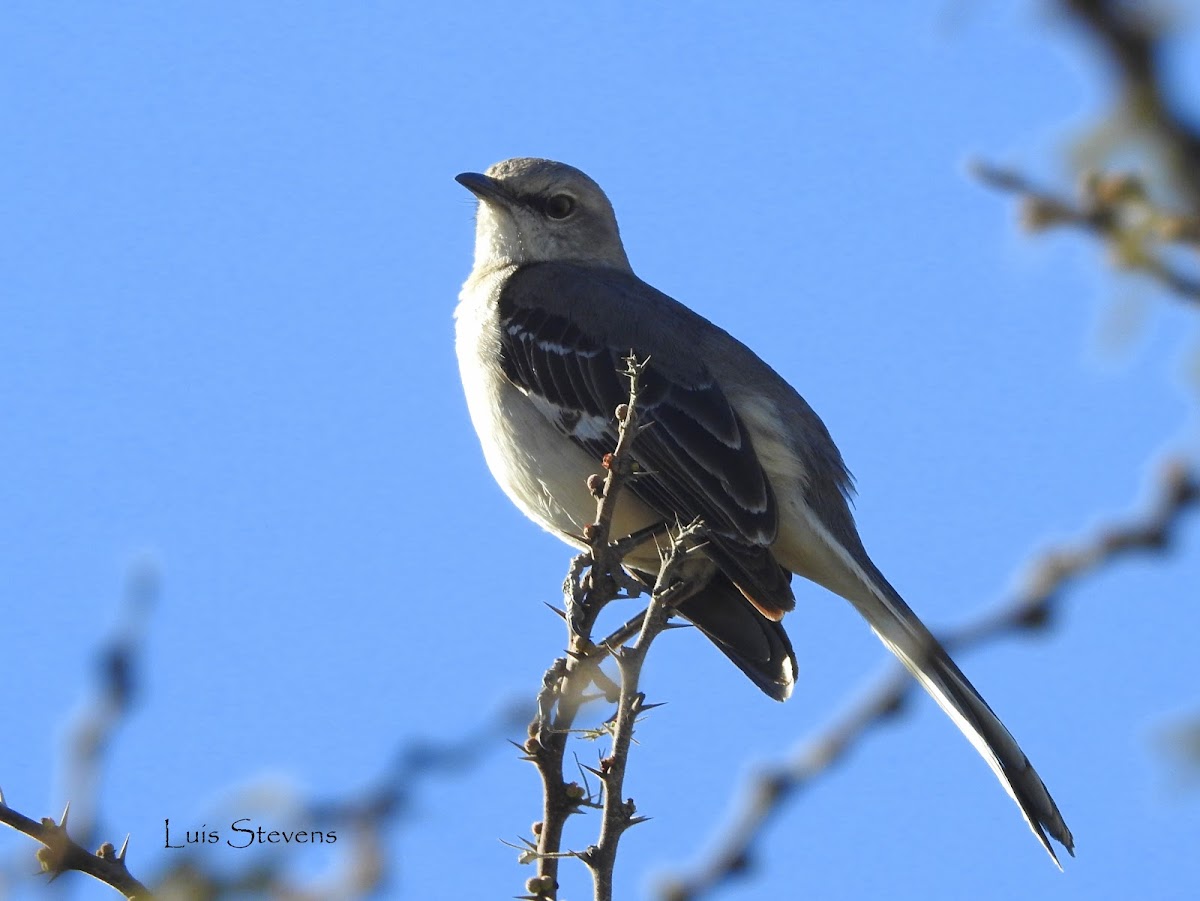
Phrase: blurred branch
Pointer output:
(116, 669)
(1180, 743)
(1117, 210)
(1140, 232)
(1131, 41)
(364, 866)
(90, 739)
(1049, 575)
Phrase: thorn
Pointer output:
(633, 821)
(669, 626)
(525, 755)
(62, 823)
(561, 613)
(644, 707)
(124, 848)
(528, 746)
(3, 803)
(528, 845)
(593, 770)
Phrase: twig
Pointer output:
(1032, 608)
(60, 853)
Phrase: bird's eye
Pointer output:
(560, 206)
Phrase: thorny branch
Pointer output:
(564, 686)
(595, 578)
(1032, 608)
(60, 853)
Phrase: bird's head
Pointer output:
(538, 211)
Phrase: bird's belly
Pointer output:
(542, 472)
(537, 467)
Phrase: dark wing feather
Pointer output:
(695, 451)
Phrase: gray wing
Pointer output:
(696, 453)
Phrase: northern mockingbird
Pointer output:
(544, 320)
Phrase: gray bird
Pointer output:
(544, 320)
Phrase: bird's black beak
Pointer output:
(482, 186)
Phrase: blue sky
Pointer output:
(230, 250)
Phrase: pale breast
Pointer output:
(538, 467)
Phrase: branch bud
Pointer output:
(595, 484)
(540, 886)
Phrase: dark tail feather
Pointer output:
(759, 647)
(906, 636)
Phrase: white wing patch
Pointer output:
(571, 421)
(517, 330)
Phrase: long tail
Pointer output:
(899, 628)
